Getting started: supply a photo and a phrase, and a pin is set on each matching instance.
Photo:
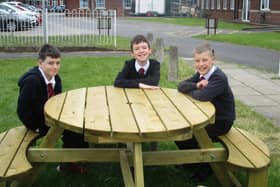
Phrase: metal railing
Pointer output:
(81, 27)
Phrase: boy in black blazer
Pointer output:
(139, 72)
(209, 83)
(36, 86)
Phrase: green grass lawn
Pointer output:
(267, 40)
(79, 72)
(191, 22)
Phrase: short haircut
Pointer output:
(138, 39)
(203, 48)
(48, 50)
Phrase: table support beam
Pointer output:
(126, 172)
(204, 141)
(138, 165)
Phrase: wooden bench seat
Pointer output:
(248, 153)
(13, 147)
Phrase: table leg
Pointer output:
(138, 165)
(205, 141)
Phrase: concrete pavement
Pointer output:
(257, 89)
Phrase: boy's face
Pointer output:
(203, 62)
(141, 52)
(50, 66)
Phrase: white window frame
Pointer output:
(100, 4)
(218, 5)
(127, 4)
(231, 4)
(212, 4)
(224, 4)
(83, 4)
(264, 5)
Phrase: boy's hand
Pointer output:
(202, 84)
(146, 86)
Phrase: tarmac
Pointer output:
(255, 88)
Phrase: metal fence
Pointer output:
(76, 27)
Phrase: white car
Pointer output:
(13, 20)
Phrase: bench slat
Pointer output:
(13, 145)
(258, 143)
(247, 150)
(235, 157)
(21, 164)
(9, 147)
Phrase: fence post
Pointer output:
(150, 38)
(159, 50)
(45, 22)
(173, 64)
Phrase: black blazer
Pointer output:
(217, 91)
(130, 78)
(32, 96)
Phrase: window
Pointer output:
(231, 5)
(100, 4)
(207, 5)
(224, 4)
(264, 4)
(127, 4)
(212, 4)
(83, 3)
(218, 4)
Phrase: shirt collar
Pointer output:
(52, 81)
(145, 67)
(210, 72)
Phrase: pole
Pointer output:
(45, 21)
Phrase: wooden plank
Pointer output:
(219, 169)
(147, 119)
(122, 120)
(97, 111)
(207, 109)
(256, 141)
(168, 113)
(138, 165)
(53, 108)
(9, 146)
(72, 115)
(253, 154)
(47, 155)
(20, 163)
(258, 178)
(235, 157)
(126, 172)
(188, 109)
(2, 135)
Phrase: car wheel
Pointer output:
(11, 26)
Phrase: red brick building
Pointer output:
(253, 11)
(123, 7)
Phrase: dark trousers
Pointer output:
(73, 140)
(214, 130)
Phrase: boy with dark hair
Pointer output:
(139, 72)
(36, 86)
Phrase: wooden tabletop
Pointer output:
(107, 113)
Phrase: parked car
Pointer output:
(13, 19)
(27, 9)
(60, 8)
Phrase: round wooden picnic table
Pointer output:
(110, 114)
(107, 113)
